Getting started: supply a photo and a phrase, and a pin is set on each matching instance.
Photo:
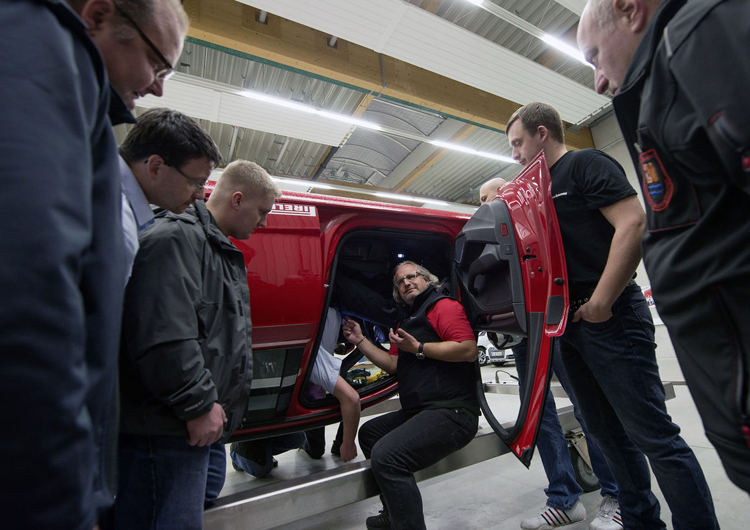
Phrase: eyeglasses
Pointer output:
(411, 277)
(168, 70)
(200, 186)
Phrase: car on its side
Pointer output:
(489, 351)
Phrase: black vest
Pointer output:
(429, 383)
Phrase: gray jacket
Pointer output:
(186, 327)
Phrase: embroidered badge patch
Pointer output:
(656, 182)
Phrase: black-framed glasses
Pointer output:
(198, 185)
(168, 70)
(411, 277)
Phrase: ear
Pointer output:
(154, 164)
(543, 133)
(236, 200)
(634, 13)
(97, 14)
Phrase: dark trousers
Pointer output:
(399, 445)
(709, 332)
(612, 369)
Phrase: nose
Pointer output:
(515, 154)
(262, 222)
(600, 82)
(200, 194)
(156, 88)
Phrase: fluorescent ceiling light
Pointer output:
(531, 29)
(258, 96)
(470, 151)
(310, 110)
(575, 53)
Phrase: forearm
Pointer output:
(451, 351)
(380, 358)
(623, 259)
(350, 414)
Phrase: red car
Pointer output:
(505, 264)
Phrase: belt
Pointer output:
(575, 305)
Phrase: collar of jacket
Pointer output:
(420, 299)
(118, 111)
(641, 61)
(209, 226)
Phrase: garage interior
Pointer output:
(405, 101)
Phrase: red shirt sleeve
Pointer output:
(448, 319)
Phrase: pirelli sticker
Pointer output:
(299, 210)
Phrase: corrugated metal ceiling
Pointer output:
(368, 157)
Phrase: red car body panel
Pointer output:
(292, 262)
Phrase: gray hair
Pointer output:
(424, 273)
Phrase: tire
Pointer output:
(482, 358)
(584, 474)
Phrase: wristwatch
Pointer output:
(420, 355)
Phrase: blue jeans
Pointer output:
(612, 369)
(162, 483)
(598, 461)
(399, 445)
(217, 473)
(274, 446)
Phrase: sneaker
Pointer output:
(609, 517)
(379, 522)
(552, 517)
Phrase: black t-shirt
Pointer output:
(582, 183)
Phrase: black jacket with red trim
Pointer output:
(685, 115)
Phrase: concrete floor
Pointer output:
(501, 492)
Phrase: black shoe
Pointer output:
(379, 522)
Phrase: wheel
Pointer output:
(482, 358)
(584, 474)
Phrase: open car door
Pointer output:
(512, 277)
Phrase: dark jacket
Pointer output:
(685, 115)
(186, 327)
(429, 383)
(61, 273)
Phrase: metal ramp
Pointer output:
(273, 505)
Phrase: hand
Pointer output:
(352, 331)
(403, 340)
(593, 312)
(348, 451)
(208, 428)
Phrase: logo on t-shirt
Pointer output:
(656, 182)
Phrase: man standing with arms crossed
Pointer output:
(608, 347)
(680, 72)
(186, 362)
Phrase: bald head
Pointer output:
(609, 33)
(490, 189)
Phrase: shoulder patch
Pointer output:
(657, 184)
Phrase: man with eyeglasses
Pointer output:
(432, 354)
(62, 274)
(140, 41)
(186, 363)
(166, 160)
